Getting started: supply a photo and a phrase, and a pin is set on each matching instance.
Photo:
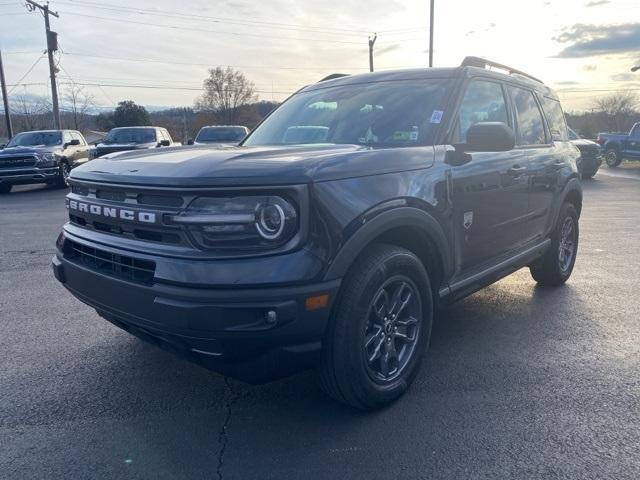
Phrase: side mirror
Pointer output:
(2, 145)
(73, 142)
(165, 143)
(490, 137)
(190, 141)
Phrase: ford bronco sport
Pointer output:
(330, 236)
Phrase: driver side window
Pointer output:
(483, 102)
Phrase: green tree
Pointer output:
(128, 114)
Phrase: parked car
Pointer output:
(221, 135)
(590, 155)
(405, 191)
(121, 139)
(41, 156)
(618, 146)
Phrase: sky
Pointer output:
(158, 52)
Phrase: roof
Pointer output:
(466, 71)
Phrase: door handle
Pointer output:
(516, 170)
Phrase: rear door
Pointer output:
(490, 193)
(543, 160)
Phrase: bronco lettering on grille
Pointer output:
(111, 212)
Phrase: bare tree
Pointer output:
(31, 112)
(617, 109)
(225, 90)
(78, 103)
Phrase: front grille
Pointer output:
(128, 197)
(17, 161)
(114, 265)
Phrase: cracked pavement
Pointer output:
(520, 381)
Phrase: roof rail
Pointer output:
(483, 63)
(332, 76)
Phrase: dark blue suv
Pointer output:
(332, 234)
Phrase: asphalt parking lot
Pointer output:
(520, 381)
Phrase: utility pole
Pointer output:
(52, 46)
(5, 99)
(372, 42)
(431, 35)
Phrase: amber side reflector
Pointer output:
(314, 303)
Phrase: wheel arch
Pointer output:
(407, 227)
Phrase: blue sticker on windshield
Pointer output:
(436, 116)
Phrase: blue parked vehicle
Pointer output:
(618, 146)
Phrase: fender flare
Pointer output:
(383, 222)
(572, 186)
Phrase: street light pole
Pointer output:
(636, 68)
(431, 35)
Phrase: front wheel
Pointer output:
(379, 330)
(62, 180)
(555, 267)
(613, 157)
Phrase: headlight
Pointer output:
(45, 158)
(248, 222)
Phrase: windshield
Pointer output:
(131, 135)
(391, 113)
(221, 134)
(573, 135)
(34, 139)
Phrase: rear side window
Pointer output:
(555, 119)
(530, 124)
(635, 133)
(483, 102)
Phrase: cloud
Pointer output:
(590, 68)
(624, 77)
(596, 3)
(593, 40)
(567, 83)
(387, 49)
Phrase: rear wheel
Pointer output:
(380, 329)
(613, 157)
(5, 187)
(555, 267)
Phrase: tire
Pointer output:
(358, 331)
(613, 157)
(63, 174)
(589, 174)
(555, 267)
(5, 188)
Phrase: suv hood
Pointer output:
(276, 165)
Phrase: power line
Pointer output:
(19, 82)
(205, 18)
(351, 31)
(171, 62)
(216, 32)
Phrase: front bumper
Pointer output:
(27, 175)
(255, 334)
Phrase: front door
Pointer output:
(490, 192)
(633, 144)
